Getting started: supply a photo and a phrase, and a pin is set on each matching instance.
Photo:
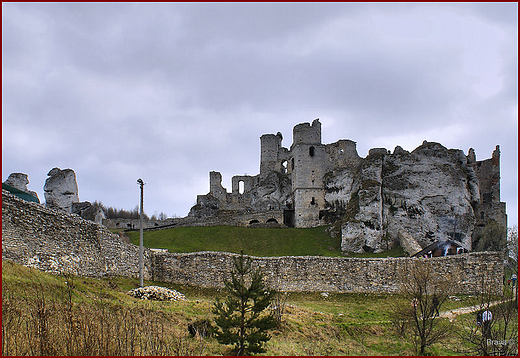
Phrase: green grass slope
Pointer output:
(45, 314)
(253, 241)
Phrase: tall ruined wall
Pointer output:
(57, 242)
(312, 273)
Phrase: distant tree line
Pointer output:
(115, 213)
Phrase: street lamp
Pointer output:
(141, 247)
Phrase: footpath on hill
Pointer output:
(451, 314)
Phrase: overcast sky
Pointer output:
(170, 91)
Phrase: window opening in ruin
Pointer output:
(241, 187)
(284, 166)
(292, 164)
(341, 151)
(311, 151)
(313, 201)
(272, 221)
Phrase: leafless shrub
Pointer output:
(425, 291)
(41, 325)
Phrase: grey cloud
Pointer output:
(169, 91)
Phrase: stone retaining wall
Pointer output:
(57, 242)
(331, 274)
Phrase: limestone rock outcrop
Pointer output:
(431, 194)
(20, 181)
(428, 194)
(61, 189)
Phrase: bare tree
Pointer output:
(425, 292)
(497, 336)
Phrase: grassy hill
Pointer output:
(263, 242)
(44, 314)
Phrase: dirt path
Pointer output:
(451, 314)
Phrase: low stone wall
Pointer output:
(331, 274)
(57, 242)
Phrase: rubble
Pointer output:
(157, 293)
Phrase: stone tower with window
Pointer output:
(431, 193)
(307, 163)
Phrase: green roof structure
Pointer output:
(21, 194)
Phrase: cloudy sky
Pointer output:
(170, 91)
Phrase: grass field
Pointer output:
(261, 242)
(55, 315)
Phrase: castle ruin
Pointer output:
(431, 194)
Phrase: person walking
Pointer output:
(487, 316)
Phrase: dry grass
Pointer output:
(44, 314)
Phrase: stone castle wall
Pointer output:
(432, 193)
(330, 274)
(57, 242)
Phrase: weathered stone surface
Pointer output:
(54, 241)
(408, 243)
(432, 193)
(61, 189)
(157, 293)
(57, 242)
(328, 274)
(20, 181)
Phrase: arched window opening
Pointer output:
(272, 221)
(284, 166)
(241, 187)
(311, 151)
(254, 222)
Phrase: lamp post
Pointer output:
(141, 247)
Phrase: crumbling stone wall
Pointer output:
(432, 193)
(57, 242)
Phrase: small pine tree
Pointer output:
(239, 320)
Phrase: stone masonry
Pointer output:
(57, 242)
(54, 241)
(432, 193)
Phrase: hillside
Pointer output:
(263, 242)
(45, 314)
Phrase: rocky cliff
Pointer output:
(429, 193)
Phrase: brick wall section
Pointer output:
(57, 242)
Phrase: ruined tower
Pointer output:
(489, 208)
(270, 145)
(307, 164)
(430, 194)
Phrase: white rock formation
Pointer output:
(420, 194)
(61, 189)
(20, 181)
